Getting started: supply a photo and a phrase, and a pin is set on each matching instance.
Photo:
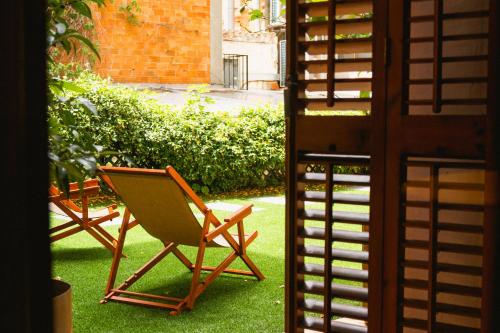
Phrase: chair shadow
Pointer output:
(78, 254)
(181, 284)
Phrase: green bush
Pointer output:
(213, 151)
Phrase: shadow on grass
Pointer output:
(79, 254)
(225, 286)
(97, 252)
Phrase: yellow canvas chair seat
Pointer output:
(159, 202)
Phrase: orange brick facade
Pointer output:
(169, 44)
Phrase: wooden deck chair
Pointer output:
(80, 218)
(158, 200)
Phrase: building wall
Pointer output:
(169, 44)
(252, 38)
(262, 58)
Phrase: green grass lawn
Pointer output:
(230, 304)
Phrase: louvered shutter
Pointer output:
(282, 64)
(392, 175)
(275, 11)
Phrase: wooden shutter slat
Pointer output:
(352, 26)
(475, 229)
(440, 327)
(337, 326)
(357, 275)
(359, 180)
(348, 85)
(445, 267)
(451, 16)
(346, 198)
(344, 310)
(444, 308)
(349, 46)
(319, 104)
(337, 254)
(341, 65)
(445, 247)
(338, 216)
(320, 9)
(340, 290)
(356, 237)
(444, 287)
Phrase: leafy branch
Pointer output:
(258, 14)
(131, 10)
(69, 160)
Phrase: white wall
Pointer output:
(262, 58)
(216, 71)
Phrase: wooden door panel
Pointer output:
(327, 134)
(436, 154)
(396, 98)
(329, 120)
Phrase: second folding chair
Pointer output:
(80, 218)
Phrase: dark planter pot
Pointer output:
(61, 304)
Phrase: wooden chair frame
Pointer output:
(85, 222)
(173, 304)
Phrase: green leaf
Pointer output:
(256, 14)
(62, 180)
(364, 94)
(88, 43)
(53, 157)
(88, 105)
(68, 85)
(66, 45)
(89, 163)
(98, 2)
(56, 88)
(60, 28)
(72, 170)
(67, 117)
(205, 190)
(50, 40)
(82, 8)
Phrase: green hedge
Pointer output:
(213, 151)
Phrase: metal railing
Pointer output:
(235, 71)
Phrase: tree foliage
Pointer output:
(70, 159)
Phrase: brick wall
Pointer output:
(170, 43)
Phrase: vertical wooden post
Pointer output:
(433, 240)
(490, 302)
(332, 9)
(26, 271)
(438, 54)
(327, 310)
(291, 269)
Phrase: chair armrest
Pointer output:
(240, 214)
(234, 218)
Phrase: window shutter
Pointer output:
(275, 11)
(395, 102)
(282, 63)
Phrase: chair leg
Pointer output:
(215, 273)
(196, 276)
(146, 267)
(250, 264)
(104, 233)
(118, 252)
(110, 246)
(241, 250)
